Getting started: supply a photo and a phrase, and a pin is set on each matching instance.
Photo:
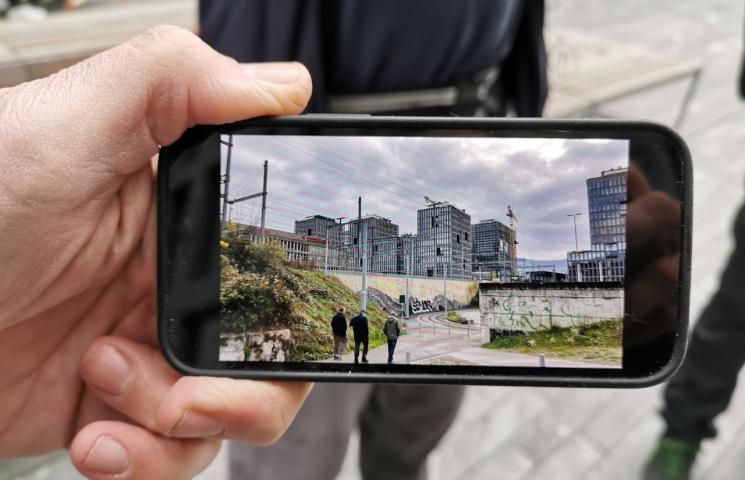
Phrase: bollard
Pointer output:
(541, 361)
(408, 358)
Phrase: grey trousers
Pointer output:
(399, 425)
(703, 386)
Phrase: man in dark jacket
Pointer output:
(339, 329)
(392, 330)
(359, 326)
(418, 57)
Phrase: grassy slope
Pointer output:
(597, 343)
(326, 293)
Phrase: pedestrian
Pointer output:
(339, 329)
(392, 330)
(479, 57)
(360, 328)
(703, 386)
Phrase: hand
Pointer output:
(78, 349)
(653, 226)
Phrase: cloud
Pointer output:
(543, 180)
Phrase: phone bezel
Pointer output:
(179, 338)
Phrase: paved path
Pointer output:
(433, 339)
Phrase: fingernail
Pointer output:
(195, 424)
(107, 456)
(281, 73)
(109, 371)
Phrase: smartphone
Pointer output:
(426, 250)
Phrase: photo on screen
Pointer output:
(464, 251)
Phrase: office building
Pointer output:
(381, 241)
(494, 252)
(303, 249)
(606, 200)
(319, 226)
(606, 259)
(405, 252)
(443, 246)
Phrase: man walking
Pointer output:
(360, 328)
(392, 330)
(339, 329)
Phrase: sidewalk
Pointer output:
(431, 339)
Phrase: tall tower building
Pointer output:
(493, 254)
(443, 245)
(606, 259)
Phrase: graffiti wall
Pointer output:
(423, 289)
(515, 307)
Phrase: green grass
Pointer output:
(597, 343)
(261, 291)
(455, 318)
(325, 295)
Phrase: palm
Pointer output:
(43, 400)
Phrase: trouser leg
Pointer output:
(357, 348)
(314, 446)
(364, 348)
(401, 425)
(703, 386)
(337, 342)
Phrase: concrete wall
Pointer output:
(421, 288)
(514, 307)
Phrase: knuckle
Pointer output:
(165, 44)
(166, 35)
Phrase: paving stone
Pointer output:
(570, 461)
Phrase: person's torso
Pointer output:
(389, 45)
(391, 329)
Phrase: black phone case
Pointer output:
(194, 136)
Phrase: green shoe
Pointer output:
(672, 460)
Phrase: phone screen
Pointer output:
(466, 251)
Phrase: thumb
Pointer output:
(113, 111)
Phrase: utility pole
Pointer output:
(574, 218)
(407, 262)
(445, 287)
(363, 291)
(326, 256)
(226, 180)
(359, 227)
(263, 203)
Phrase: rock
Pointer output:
(269, 346)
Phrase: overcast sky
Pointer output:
(543, 180)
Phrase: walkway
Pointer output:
(432, 339)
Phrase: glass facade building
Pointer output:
(606, 259)
(443, 246)
(492, 255)
(318, 226)
(381, 242)
(606, 200)
(596, 266)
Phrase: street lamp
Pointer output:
(574, 218)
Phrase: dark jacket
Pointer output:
(392, 328)
(360, 327)
(360, 46)
(339, 324)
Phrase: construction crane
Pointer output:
(432, 203)
(513, 239)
